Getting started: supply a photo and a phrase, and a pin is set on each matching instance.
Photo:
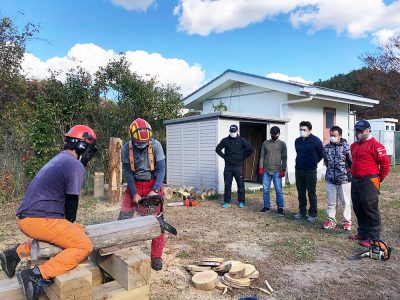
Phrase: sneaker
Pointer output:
(311, 219)
(329, 225)
(299, 216)
(156, 264)
(241, 205)
(280, 212)
(355, 237)
(347, 226)
(226, 204)
(265, 210)
(32, 282)
(364, 243)
(9, 260)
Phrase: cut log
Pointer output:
(248, 270)
(75, 284)
(207, 263)
(204, 196)
(243, 282)
(237, 269)
(173, 204)
(224, 267)
(131, 268)
(114, 291)
(196, 268)
(213, 259)
(168, 193)
(107, 234)
(114, 170)
(205, 281)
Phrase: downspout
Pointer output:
(308, 99)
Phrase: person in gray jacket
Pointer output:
(273, 161)
(337, 158)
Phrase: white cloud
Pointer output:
(284, 77)
(142, 5)
(355, 18)
(91, 57)
(384, 35)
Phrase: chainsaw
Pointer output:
(378, 250)
(152, 203)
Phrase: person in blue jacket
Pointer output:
(310, 152)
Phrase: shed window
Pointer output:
(393, 127)
(387, 127)
(330, 119)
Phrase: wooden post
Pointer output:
(114, 170)
(107, 234)
(98, 188)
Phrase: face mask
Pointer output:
(233, 134)
(88, 154)
(141, 145)
(274, 137)
(362, 136)
(304, 134)
(334, 139)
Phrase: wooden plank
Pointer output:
(75, 284)
(129, 268)
(97, 275)
(107, 234)
(10, 289)
(98, 188)
(114, 291)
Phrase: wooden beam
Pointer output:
(114, 170)
(98, 187)
(107, 234)
(75, 284)
(114, 291)
(129, 268)
(118, 248)
(10, 289)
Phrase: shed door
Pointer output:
(329, 121)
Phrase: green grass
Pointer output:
(183, 254)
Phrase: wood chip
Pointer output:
(269, 286)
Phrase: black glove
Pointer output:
(71, 207)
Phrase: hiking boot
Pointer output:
(311, 219)
(156, 264)
(280, 212)
(241, 205)
(364, 243)
(32, 282)
(226, 205)
(265, 210)
(9, 260)
(299, 216)
(347, 226)
(329, 225)
(355, 237)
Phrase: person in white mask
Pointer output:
(337, 158)
(237, 149)
(310, 152)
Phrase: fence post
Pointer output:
(98, 188)
(114, 170)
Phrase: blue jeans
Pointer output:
(268, 177)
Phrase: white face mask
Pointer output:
(334, 139)
(233, 134)
(304, 134)
(362, 136)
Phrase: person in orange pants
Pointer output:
(143, 166)
(48, 212)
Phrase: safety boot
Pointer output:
(33, 284)
(9, 260)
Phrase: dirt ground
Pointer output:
(300, 260)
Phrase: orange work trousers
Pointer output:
(61, 232)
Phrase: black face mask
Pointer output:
(88, 153)
(274, 137)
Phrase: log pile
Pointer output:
(117, 269)
(187, 192)
(211, 273)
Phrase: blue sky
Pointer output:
(313, 41)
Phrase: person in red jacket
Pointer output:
(369, 167)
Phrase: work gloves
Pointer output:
(282, 173)
(260, 171)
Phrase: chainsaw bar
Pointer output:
(165, 226)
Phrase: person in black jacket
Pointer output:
(237, 149)
(310, 152)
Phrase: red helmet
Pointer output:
(82, 133)
(140, 130)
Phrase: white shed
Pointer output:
(254, 103)
(383, 130)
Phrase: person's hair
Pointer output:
(274, 130)
(336, 128)
(307, 124)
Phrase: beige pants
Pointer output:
(334, 195)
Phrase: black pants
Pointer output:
(306, 181)
(229, 173)
(365, 198)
